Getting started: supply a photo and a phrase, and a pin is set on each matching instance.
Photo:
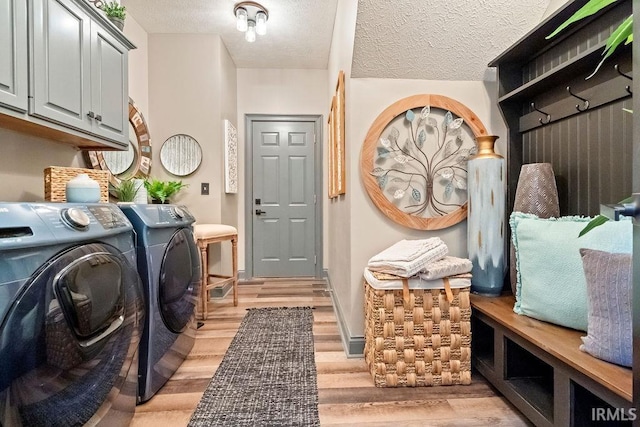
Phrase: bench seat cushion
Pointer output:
(210, 231)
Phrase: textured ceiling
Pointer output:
(438, 40)
(415, 39)
(298, 31)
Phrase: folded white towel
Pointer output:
(447, 266)
(415, 282)
(407, 257)
(406, 250)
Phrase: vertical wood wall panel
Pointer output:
(590, 157)
(587, 38)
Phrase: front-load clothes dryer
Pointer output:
(71, 315)
(169, 266)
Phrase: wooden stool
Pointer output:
(206, 234)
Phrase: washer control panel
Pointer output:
(158, 216)
(75, 218)
(28, 224)
(90, 218)
(176, 212)
(109, 216)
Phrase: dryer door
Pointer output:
(179, 280)
(68, 343)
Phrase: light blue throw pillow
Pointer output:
(551, 284)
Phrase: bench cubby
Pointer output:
(539, 368)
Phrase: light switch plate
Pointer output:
(204, 188)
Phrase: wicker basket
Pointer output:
(56, 178)
(416, 337)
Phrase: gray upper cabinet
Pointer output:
(60, 89)
(109, 96)
(80, 71)
(63, 73)
(13, 54)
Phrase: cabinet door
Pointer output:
(109, 86)
(13, 54)
(60, 34)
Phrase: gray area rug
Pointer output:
(267, 376)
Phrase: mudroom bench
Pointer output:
(540, 369)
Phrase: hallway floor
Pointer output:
(347, 396)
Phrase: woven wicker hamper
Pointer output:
(56, 178)
(416, 337)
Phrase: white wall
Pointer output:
(184, 99)
(339, 208)
(277, 92)
(229, 210)
(192, 89)
(138, 66)
(228, 83)
(367, 98)
(23, 159)
(356, 228)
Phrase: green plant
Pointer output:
(126, 191)
(624, 32)
(601, 219)
(114, 10)
(162, 190)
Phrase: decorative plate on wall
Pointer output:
(414, 160)
(181, 155)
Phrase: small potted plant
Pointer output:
(116, 13)
(160, 192)
(126, 191)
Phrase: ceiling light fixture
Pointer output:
(251, 18)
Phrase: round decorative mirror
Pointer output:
(135, 162)
(120, 162)
(414, 161)
(181, 155)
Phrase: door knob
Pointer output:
(260, 212)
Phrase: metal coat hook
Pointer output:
(627, 87)
(585, 101)
(548, 116)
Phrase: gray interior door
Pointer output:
(283, 209)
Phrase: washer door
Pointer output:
(69, 340)
(179, 281)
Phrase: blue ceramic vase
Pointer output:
(486, 228)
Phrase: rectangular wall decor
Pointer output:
(332, 164)
(230, 158)
(337, 179)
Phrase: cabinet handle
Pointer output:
(98, 117)
(91, 114)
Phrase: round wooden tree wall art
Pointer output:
(414, 160)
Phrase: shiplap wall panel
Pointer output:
(590, 156)
(587, 38)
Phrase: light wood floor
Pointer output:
(347, 396)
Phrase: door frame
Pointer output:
(248, 175)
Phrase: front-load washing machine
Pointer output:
(169, 266)
(71, 315)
